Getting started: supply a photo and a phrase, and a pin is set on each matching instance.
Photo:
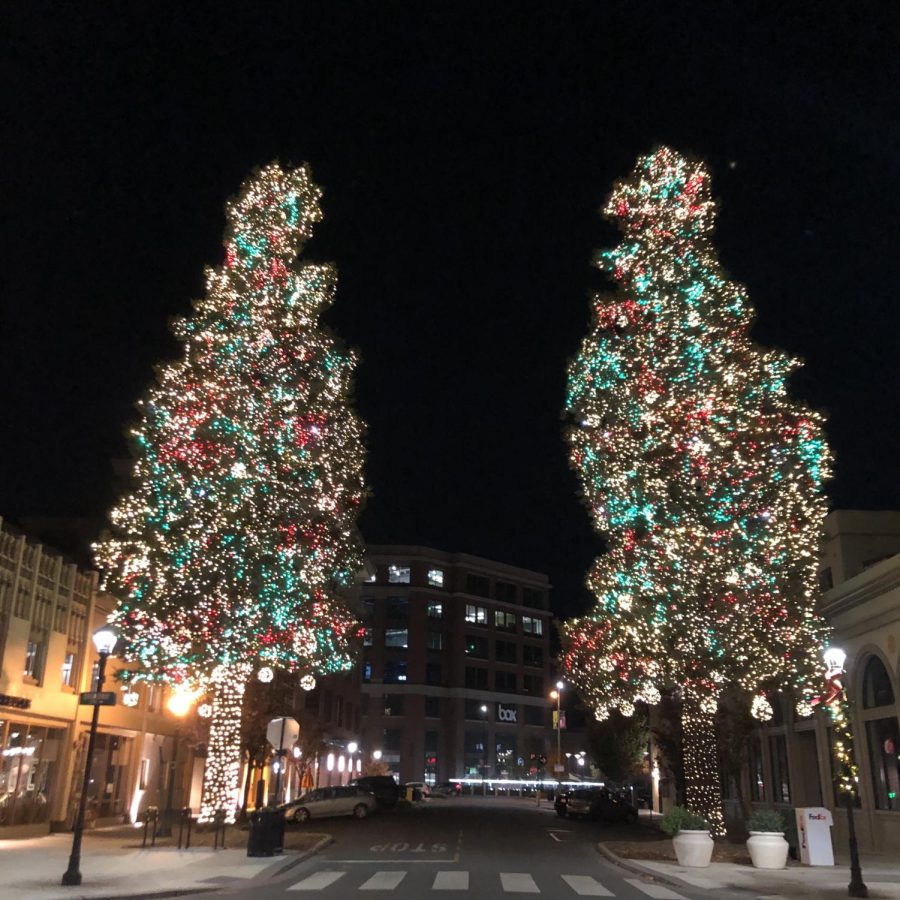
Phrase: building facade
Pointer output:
(455, 665)
(49, 608)
(790, 759)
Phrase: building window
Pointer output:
(883, 738)
(532, 625)
(877, 690)
(393, 704)
(432, 673)
(152, 694)
(476, 678)
(533, 684)
(535, 715)
(394, 672)
(68, 670)
(476, 615)
(436, 577)
(433, 707)
(34, 660)
(367, 672)
(533, 656)
(435, 640)
(473, 710)
(369, 608)
(393, 739)
(826, 580)
(396, 637)
(505, 651)
(533, 598)
(505, 592)
(479, 585)
(370, 579)
(397, 607)
(435, 610)
(367, 637)
(781, 779)
(505, 681)
(144, 776)
(476, 646)
(505, 621)
(398, 574)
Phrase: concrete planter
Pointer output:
(693, 848)
(768, 849)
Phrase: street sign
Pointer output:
(97, 698)
(282, 733)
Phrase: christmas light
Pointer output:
(234, 544)
(204, 710)
(761, 709)
(700, 472)
(307, 682)
(265, 674)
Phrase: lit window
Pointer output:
(370, 579)
(435, 640)
(435, 610)
(436, 577)
(506, 621)
(475, 614)
(396, 637)
(367, 637)
(532, 625)
(68, 669)
(398, 574)
(33, 654)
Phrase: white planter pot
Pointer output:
(693, 848)
(768, 849)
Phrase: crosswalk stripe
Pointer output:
(451, 881)
(586, 886)
(656, 891)
(519, 883)
(383, 881)
(318, 881)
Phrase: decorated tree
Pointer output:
(231, 550)
(703, 476)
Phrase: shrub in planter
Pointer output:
(690, 836)
(767, 847)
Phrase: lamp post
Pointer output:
(484, 756)
(105, 641)
(835, 698)
(557, 696)
(179, 703)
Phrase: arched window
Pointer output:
(877, 689)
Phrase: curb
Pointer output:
(633, 866)
(320, 845)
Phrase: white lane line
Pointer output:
(555, 838)
(586, 886)
(318, 881)
(383, 881)
(656, 891)
(519, 883)
(451, 881)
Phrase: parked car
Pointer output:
(447, 789)
(385, 789)
(594, 803)
(421, 791)
(331, 801)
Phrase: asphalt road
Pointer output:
(493, 847)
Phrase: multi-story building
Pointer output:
(456, 664)
(49, 608)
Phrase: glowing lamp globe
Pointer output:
(105, 640)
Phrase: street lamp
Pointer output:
(105, 641)
(557, 696)
(352, 747)
(179, 703)
(484, 756)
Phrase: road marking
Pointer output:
(519, 883)
(383, 881)
(555, 838)
(586, 886)
(318, 881)
(656, 891)
(451, 881)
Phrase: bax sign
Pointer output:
(507, 714)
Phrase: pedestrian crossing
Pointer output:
(457, 880)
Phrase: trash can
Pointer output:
(266, 837)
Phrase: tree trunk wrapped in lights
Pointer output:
(232, 548)
(700, 472)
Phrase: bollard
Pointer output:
(151, 817)
(185, 819)
(219, 825)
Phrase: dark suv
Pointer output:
(594, 803)
(385, 789)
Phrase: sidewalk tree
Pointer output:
(231, 549)
(700, 472)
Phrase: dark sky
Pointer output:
(464, 150)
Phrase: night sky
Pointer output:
(464, 150)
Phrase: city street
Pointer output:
(477, 847)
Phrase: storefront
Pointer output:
(31, 773)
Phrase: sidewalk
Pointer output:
(114, 868)
(881, 874)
